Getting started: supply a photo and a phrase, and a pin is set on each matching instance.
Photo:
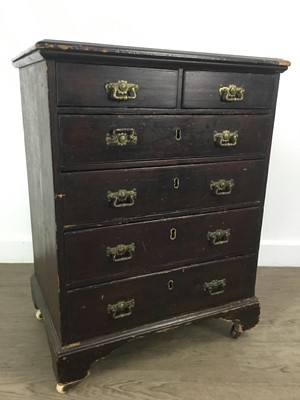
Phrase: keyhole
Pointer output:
(178, 133)
(171, 284)
(176, 183)
(173, 234)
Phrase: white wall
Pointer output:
(260, 28)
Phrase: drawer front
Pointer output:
(113, 86)
(125, 304)
(204, 89)
(126, 250)
(96, 197)
(100, 139)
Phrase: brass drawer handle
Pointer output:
(231, 93)
(221, 187)
(121, 309)
(226, 138)
(217, 286)
(121, 252)
(122, 198)
(218, 237)
(121, 137)
(121, 90)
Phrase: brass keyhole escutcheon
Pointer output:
(176, 183)
(173, 233)
(171, 284)
(178, 134)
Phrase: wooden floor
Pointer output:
(194, 362)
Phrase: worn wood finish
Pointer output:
(84, 85)
(35, 103)
(83, 139)
(71, 360)
(85, 194)
(68, 110)
(201, 89)
(91, 51)
(154, 248)
(89, 317)
(67, 114)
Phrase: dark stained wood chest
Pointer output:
(147, 172)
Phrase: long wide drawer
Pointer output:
(96, 197)
(204, 89)
(125, 250)
(132, 302)
(102, 139)
(114, 86)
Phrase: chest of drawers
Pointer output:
(147, 172)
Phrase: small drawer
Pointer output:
(204, 89)
(112, 86)
(124, 304)
(132, 249)
(96, 139)
(120, 195)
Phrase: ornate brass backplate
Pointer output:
(222, 187)
(121, 137)
(218, 237)
(122, 198)
(121, 309)
(231, 93)
(121, 90)
(217, 286)
(121, 252)
(226, 138)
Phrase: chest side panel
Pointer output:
(37, 130)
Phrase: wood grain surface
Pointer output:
(86, 201)
(84, 85)
(87, 260)
(194, 362)
(83, 137)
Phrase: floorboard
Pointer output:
(194, 362)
